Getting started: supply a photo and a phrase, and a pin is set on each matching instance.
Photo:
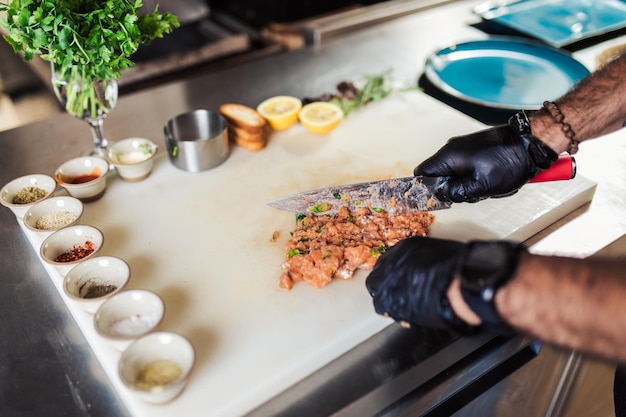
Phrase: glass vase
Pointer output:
(87, 100)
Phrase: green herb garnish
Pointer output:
(376, 252)
(320, 208)
(295, 252)
(147, 149)
(349, 97)
(377, 209)
(337, 195)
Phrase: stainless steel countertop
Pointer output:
(46, 367)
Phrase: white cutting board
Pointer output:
(202, 241)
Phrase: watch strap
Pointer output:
(540, 154)
(487, 266)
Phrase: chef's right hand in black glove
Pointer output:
(491, 163)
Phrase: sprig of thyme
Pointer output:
(349, 97)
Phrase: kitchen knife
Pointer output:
(395, 196)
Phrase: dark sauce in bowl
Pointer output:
(80, 179)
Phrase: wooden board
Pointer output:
(202, 242)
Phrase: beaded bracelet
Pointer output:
(558, 117)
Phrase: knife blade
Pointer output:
(394, 196)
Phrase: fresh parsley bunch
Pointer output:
(98, 36)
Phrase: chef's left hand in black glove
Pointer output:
(410, 281)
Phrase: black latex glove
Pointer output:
(410, 280)
(491, 163)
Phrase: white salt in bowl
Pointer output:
(133, 158)
(83, 177)
(52, 214)
(78, 239)
(128, 315)
(12, 188)
(157, 367)
(95, 280)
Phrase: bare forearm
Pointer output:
(572, 303)
(594, 107)
(578, 304)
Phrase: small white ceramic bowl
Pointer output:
(156, 367)
(83, 177)
(77, 239)
(12, 188)
(133, 158)
(95, 280)
(52, 214)
(128, 315)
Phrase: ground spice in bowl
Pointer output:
(92, 289)
(157, 374)
(29, 195)
(77, 253)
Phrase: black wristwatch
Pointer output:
(487, 266)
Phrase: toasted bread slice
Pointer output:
(243, 117)
(246, 135)
(251, 145)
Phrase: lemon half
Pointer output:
(320, 117)
(280, 111)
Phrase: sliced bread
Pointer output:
(243, 117)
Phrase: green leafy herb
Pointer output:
(295, 252)
(337, 195)
(147, 149)
(349, 97)
(376, 252)
(377, 209)
(89, 39)
(320, 208)
(97, 35)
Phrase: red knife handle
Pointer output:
(563, 169)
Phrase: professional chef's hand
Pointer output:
(409, 282)
(491, 163)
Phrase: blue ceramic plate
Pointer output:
(557, 22)
(504, 72)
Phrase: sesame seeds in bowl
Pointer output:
(52, 214)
